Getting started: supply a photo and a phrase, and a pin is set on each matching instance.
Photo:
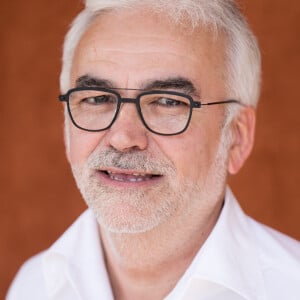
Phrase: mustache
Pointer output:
(131, 160)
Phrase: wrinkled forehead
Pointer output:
(142, 21)
(128, 36)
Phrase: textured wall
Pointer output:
(38, 196)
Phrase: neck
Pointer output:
(148, 265)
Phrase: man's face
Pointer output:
(133, 179)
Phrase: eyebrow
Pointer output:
(90, 81)
(178, 83)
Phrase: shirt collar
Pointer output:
(227, 262)
(74, 266)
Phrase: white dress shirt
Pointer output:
(241, 260)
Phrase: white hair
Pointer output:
(243, 65)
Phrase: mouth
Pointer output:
(127, 176)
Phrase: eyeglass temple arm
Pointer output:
(199, 104)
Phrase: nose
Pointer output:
(128, 132)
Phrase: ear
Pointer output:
(242, 129)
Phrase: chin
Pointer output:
(127, 219)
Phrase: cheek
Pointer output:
(187, 154)
(193, 152)
(82, 144)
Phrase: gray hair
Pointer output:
(243, 65)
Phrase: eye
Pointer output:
(98, 100)
(169, 102)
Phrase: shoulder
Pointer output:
(31, 279)
(276, 248)
(29, 283)
(270, 259)
(279, 258)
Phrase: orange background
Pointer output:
(38, 195)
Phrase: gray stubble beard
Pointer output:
(141, 210)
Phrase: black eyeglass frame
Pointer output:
(193, 104)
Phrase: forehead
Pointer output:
(147, 44)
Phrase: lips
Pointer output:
(131, 177)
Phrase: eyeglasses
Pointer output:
(162, 112)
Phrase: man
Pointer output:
(160, 101)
